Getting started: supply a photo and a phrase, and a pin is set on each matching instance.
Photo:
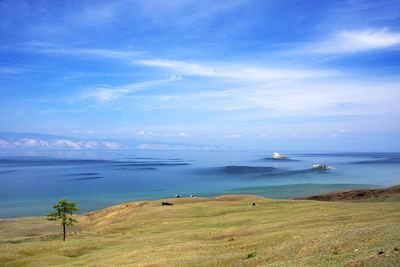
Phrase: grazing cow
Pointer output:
(166, 204)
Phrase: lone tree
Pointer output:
(63, 209)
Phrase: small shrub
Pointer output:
(251, 254)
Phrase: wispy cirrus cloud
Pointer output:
(13, 70)
(232, 136)
(108, 93)
(290, 99)
(238, 71)
(102, 53)
(357, 41)
(165, 134)
(181, 67)
(242, 71)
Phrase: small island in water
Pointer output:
(276, 155)
(322, 166)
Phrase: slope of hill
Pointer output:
(379, 194)
(221, 231)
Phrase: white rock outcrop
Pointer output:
(276, 155)
(322, 166)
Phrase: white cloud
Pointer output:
(234, 108)
(66, 144)
(146, 133)
(31, 143)
(10, 70)
(271, 100)
(44, 144)
(166, 134)
(234, 71)
(91, 144)
(27, 142)
(232, 136)
(180, 66)
(341, 132)
(112, 145)
(357, 41)
(104, 93)
(4, 144)
(105, 53)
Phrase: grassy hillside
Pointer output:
(222, 231)
(374, 195)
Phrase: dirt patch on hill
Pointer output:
(381, 194)
(119, 207)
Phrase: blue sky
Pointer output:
(292, 75)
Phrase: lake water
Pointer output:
(30, 182)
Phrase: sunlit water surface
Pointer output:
(30, 182)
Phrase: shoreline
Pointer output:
(329, 196)
(386, 191)
(218, 231)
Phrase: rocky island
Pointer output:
(322, 166)
(276, 155)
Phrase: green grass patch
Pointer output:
(225, 231)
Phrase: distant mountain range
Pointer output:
(32, 141)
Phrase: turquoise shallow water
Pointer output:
(32, 181)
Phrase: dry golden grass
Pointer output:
(222, 231)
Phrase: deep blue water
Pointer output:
(30, 182)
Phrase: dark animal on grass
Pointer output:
(166, 204)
